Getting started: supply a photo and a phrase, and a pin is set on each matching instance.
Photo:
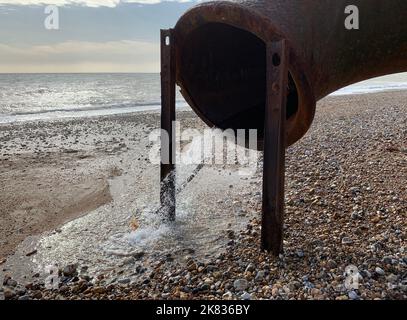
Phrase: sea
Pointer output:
(27, 97)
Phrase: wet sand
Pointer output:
(54, 171)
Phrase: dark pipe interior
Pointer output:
(223, 69)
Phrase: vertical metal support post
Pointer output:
(167, 169)
(274, 147)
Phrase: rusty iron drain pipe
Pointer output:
(221, 55)
(222, 63)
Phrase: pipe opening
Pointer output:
(223, 70)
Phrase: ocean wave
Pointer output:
(91, 108)
(60, 113)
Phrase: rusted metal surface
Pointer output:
(274, 147)
(221, 55)
(167, 168)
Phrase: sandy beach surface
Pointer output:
(78, 194)
(55, 171)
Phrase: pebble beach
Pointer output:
(65, 193)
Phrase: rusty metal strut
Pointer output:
(274, 147)
(167, 167)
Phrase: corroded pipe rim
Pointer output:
(250, 20)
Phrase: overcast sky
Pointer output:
(93, 35)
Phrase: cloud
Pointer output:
(90, 39)
(88, 3)
(81, 56)
(25, 24)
